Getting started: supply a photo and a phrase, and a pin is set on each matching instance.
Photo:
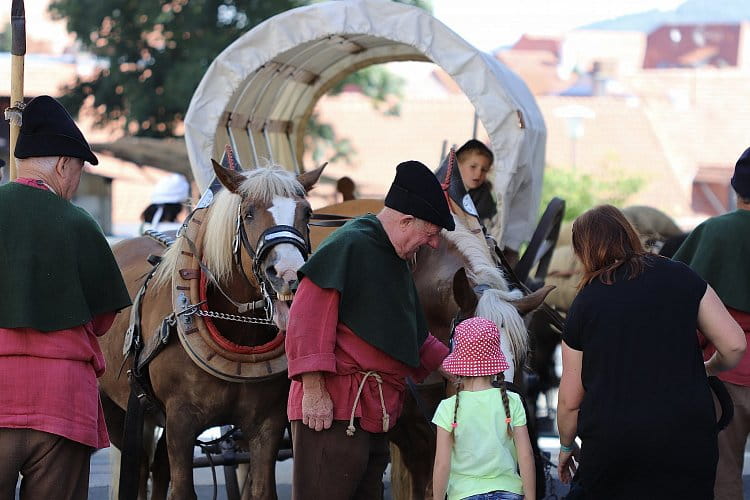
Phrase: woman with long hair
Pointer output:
(634, 386)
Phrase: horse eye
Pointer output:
(249, 215)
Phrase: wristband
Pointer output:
(567, 449)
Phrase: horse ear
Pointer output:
(308, 179)
(532, 301)
(229, 178)
(463, 293)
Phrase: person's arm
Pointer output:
(310, 345)
(569, 400)
(525, 461)
(441, 470)
(431, 355)
(715, 322)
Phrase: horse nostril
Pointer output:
(293, 285)
(271, 271)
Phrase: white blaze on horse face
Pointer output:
(286, 257)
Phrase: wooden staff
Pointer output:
(18, 51)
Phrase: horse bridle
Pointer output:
(271, 237)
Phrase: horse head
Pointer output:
(479, 299)
(270, 212)
(466, 247)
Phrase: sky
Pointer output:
(488, 24)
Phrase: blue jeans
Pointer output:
(496, 495)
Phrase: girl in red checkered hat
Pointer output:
(482, 439)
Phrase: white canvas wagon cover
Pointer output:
(259, 93)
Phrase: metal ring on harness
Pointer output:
(193, 330)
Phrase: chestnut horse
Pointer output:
(261, 214)
(433, 271)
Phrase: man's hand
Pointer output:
(317, 407)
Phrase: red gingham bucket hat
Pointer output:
(476, 350)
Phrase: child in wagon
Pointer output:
(474, 163)
(482, 437)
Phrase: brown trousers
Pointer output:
(732, 441)
(52, 466)
(333, 466)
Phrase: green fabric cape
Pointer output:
(719, 251)
(56, 268)
(379, 301)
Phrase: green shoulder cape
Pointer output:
(56, 268)
(719, 251)
(379, 301)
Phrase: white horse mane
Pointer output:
(494, 304)
(261, 185)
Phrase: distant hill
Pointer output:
(690, 12)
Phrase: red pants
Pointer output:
(52, 466)
(333, 466)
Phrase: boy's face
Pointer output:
(474, 168)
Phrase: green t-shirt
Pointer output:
(484, 457)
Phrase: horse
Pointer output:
(228, 366)
(433, 272)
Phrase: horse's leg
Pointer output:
(182, 429)
(160, 470)
(416, 442)
(264, 441)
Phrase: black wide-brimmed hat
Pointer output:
(47, 129)
(741, 177)
(416, 191)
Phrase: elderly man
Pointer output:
(718, 251)
(60, 289)
(356, 330)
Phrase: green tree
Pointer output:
(582, 191)
(6, 39)
(156, 52)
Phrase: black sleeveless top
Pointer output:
(647, 413)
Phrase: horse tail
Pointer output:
(494, 306)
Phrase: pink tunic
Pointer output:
(317, 342)
(48, 380)
(740, 374)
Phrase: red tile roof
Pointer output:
(538, 43)
(688, 45)
(537, 68)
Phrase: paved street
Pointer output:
(99, 485)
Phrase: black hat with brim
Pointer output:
(47, 129)
(416, 191)
(741, 177)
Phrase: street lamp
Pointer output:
(574, 114)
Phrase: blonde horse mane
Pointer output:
(495, 303)
(260, 185)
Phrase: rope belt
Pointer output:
(386, 419)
